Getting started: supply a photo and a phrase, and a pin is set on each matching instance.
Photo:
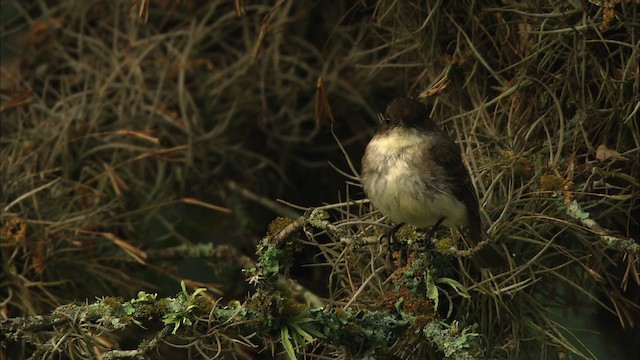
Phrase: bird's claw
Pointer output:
(390, 238)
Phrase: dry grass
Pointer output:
(112, 127)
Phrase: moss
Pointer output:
(292, 308)
(161, 305)
(551, 183)
(409, 235)
(279, 224)
(522, 167)
(13, 231)
(445, 245)
(114, 302)
(268, 306)
(204, 304)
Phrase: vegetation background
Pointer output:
(146, 143)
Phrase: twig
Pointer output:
(575, 211)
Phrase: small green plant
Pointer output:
(180, 309)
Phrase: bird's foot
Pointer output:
(390, 238)
(426, 242)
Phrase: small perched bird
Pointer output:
(413, 173)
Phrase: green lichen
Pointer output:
(319, 218)
(363, 333)
(271, 261)
(455, 344)
(234, 311)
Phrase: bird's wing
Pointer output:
(445, 153)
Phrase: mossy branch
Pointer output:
(575, 211)
(272, 309)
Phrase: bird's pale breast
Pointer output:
(403, 186)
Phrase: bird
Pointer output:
(413, 173)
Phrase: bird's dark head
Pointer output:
(409, 113)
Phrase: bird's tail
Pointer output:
(487, 256)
